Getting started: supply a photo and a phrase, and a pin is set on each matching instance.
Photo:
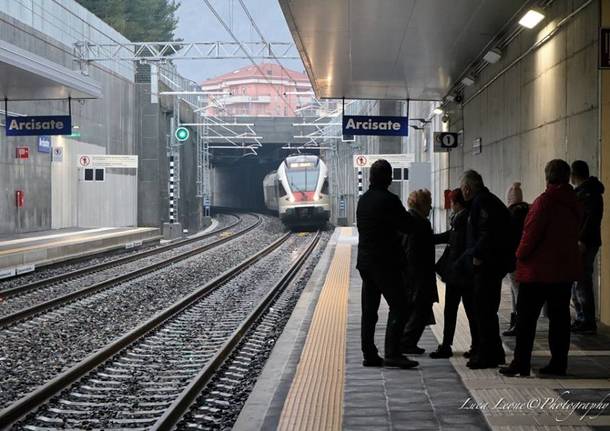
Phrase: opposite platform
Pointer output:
(46, 247)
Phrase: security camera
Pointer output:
(445, 118)
(458, 98)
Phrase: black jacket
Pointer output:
(590, 194)
(421, 255)
(489, 236)
(456, 238)
(381, 218)
(518, 212)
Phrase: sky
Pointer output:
(198, 24)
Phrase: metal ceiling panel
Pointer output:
(26, 76)
(392, 49)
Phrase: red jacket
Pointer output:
(548, 251)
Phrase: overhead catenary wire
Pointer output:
(232, 34)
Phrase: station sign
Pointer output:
(445, 141)
(373, 125)
(38, 125)
(108, 161)
(44, 144)
(396, 160)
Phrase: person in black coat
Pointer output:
(420, 272)
(458, 283)
(589, 191)
(518, 210)
(490, 252)
(381, 218)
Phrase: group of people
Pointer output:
(548, 249)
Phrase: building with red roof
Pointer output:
(263, 90)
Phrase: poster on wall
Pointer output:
(44, 144)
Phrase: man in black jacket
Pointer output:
(589, 191)
(490, 253)
(380, 218)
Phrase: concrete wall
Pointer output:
(543, 107)
(107, 123)
(153, 134)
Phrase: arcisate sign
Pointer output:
(375, 125)
(38, 125)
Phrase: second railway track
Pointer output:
(28, 300)
(150, 376)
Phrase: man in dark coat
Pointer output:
(548, 263)
(381, 218)
(420, 272)
(589, 191)
(458, 283)
(490, 253)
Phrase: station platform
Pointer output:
(314, 378)
(52, 246)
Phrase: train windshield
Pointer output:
(303, 179)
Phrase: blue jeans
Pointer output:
(582, 291)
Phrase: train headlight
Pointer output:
(292, 199)
(316, 197)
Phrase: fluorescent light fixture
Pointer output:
(76, 127)
(531, 18)
(438, 111)
(493, 56)
(468, 81)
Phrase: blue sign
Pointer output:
(375, 125)
(44, 144)
(38, 125)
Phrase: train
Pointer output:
(298, 191)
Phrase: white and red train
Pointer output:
(298, 191)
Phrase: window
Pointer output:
(95, 174)
(397, 174)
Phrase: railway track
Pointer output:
(224, 235)
(150, 376)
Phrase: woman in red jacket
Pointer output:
(547, 264)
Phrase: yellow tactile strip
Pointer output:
(315, 399)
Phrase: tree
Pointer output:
(138, 20)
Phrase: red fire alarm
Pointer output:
(20, 198)
(23, 152)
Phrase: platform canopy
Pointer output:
(26, 76)
(392, 49)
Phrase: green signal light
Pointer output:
(182, 134)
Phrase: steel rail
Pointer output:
(94, 288)
(18, 290)
(34, 399)
(181, 405)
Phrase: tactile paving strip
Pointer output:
(315, 399)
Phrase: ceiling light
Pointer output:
(493, 56)
(468, 81)
(438, 111)
(531, 18)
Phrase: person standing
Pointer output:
(589, 191)
(548, 262)
(490, 254)
(420, 272)
(458, 283)
(381, 218)
(518, 211)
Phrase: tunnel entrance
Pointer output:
(237, 177)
